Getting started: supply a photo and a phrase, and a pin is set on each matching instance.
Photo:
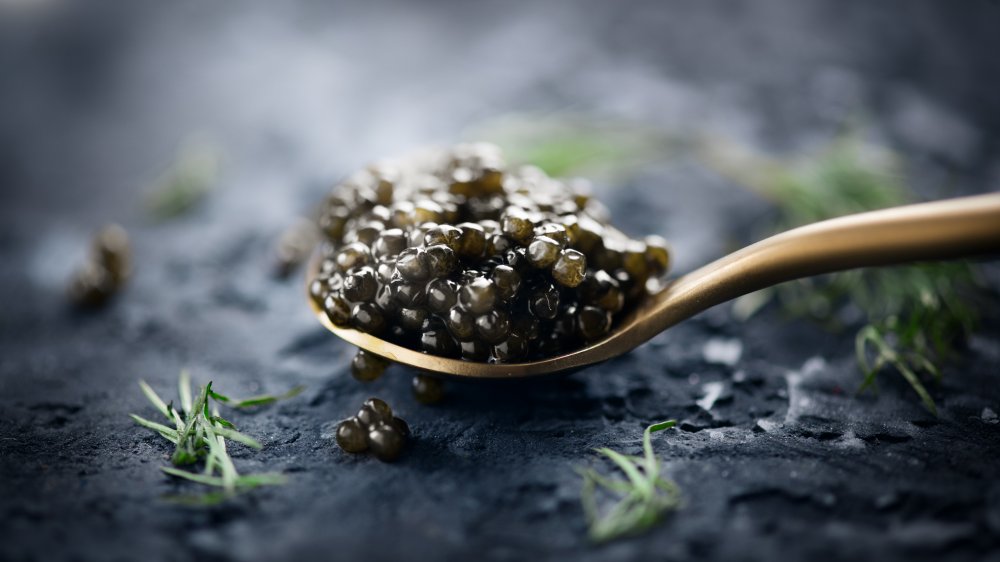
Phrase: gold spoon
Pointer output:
(955, 228)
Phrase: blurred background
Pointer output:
(207, 128)
(97, 97)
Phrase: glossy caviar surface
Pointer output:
(454, 253)
(376, 429)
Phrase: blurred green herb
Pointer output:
(914, 315)
(200, 434)
(565, 144)
(188, 180)
(639, 500)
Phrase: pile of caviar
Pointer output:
(106, 270)
(455, 254)
(374, 429)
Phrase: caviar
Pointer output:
(106, 270)
(428, 389)
(456, 254)
(367, 366)
(374, 429)
(352, 436)
(543, 251)
(479, 295)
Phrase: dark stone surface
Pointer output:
(786, 463)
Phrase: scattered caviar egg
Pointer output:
(374, 429)
(401, 426)
(112, 250)
(454, 253)
(374, 410)
(385, 442)
(352, 437)
(428, 389)
(367, 366)
(106, 270)
(91, 286)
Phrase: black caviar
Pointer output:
(456, 254)
(106, 271)
(367, 366)
(428, 389)
(374, 429)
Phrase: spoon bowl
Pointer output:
(950, 229)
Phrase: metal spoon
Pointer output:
(955, 228)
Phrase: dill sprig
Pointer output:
(638, 500)
(199, 435)
(914, 315)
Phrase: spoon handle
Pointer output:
(939, 230)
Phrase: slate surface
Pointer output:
(786, 463)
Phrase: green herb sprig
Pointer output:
(914, 315)
(191, 177)
(569, 144)
(199, 434)
(640, 499)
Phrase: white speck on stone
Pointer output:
(722, 351)
(768, 425)
(813, 366)
(798, 403)
(989, 416)
(850, 441)
(715, 435)
(712, 392)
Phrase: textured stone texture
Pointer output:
(776, 456)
